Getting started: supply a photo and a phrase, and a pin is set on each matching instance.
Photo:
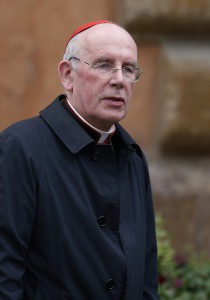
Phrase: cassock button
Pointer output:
(96, 155)
(101, 221)
(110, 284)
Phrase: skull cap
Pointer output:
(86, 26)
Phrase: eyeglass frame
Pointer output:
(139, 70)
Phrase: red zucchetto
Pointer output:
(86, 26)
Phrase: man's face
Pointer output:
(103, 101)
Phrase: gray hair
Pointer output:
(72, 49)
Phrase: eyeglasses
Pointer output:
(105, 70)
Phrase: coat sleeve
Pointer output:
(17, 213)
(150, 291)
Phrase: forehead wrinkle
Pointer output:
(104, 35)
(111, 60)
(110, 54)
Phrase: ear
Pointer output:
(65, 73)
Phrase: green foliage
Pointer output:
(166, 265)
(180, 279)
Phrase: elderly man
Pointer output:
(76, 214)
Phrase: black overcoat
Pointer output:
(76, 218)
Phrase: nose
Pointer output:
(117, 78)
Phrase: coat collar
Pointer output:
(71, 133)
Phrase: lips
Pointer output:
(114, 102)
(114, 99)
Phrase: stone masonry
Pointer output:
(179, 147)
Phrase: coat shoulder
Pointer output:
(23, 127)
(30, 134)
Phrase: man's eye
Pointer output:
(129, 69)
(103, 66)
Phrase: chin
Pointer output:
(118, 118)
(109, 118)
(113, 121)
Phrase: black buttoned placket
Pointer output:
(108, 217)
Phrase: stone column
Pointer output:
(179, 141)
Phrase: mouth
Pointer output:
(115, 100)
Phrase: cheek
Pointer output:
(129, 91)
(82, 88)
(89, 85)
(92, 91)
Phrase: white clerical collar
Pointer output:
(104, 135)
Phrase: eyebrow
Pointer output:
(106, 59)
(102, 59)
(131, 63)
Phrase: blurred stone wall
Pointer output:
(33, 35)
(176, 37)
(170, 112)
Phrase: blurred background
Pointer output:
(170, 113)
